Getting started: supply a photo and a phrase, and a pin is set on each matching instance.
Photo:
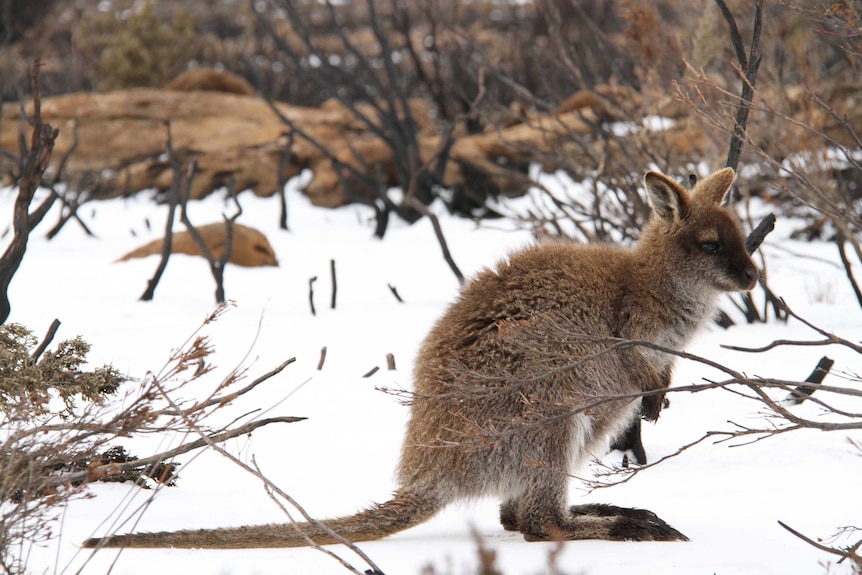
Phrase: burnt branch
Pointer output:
(39, 213)
(758, 234)
(283, 161)
(31, 166)
(322, 359)
(311, 281)
(334, 284)
(395, 293)
(412, 200)
(217, 266)
(848, 268)
(748, 66)
(74, 195)
(371, 371)
(46, 341)
(800, 394)
(174, 195)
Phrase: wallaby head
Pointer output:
(698, 237)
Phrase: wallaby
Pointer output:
(529, 372)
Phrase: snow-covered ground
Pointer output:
(727, 499)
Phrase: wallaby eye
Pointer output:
(710, 247)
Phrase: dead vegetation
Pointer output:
(62, 426)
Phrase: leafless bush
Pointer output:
(59, 427)
(805, 137)
(178, 196)
(376, 80)
(775, 399)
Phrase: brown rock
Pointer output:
(249, 247)
(210, 80)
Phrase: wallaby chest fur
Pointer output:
(530, 371)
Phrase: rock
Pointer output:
(237, 139)
(209, 80)
(249, 247)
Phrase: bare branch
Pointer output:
(334, 284)
(848, 553)
(758, 234)
(322, 358)
(32, 165)
(231, 396)
(395, 293)
(311, 294)
(749, 65)
(173, 201)
(214, 445)
(117, 468)
(438, 231)
(46, 341)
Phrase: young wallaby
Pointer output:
(530, 371)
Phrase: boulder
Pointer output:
(249, 247)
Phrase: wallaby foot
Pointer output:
(631, 523)
(609, 522)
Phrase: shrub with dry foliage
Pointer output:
(39, 391)
(59, 424)
(28, 381)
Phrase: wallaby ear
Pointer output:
(667, 198)
(715, 187)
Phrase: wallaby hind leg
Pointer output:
(542, 512)
(509, 515)
(542, 515)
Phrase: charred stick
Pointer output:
(395, 293)
(322, 358)
(372, 371)
(311, 294)
(801, 393)
(46, 341)
(334, 284)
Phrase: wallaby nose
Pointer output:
(751, 274)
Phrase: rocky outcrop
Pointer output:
(122, 135)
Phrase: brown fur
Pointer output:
(212, 81)
(518, 382)
(249, 247)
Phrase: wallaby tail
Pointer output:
(404, 510)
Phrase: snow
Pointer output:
(727, 497)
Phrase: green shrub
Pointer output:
(140, 47)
